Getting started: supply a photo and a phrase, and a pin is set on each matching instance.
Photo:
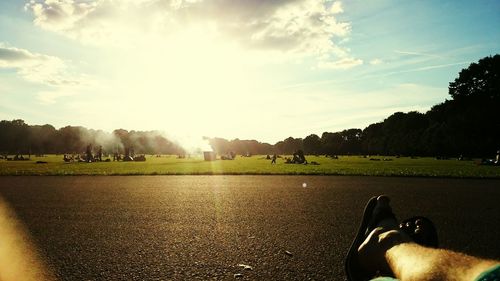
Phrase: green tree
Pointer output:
(479, 80)
(291, 145)
(469, 124)
(14, 137)
(331, 143)
(312, 144)
(351, 141)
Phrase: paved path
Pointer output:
(202, 227)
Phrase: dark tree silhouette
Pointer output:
(479, 80)
(312, 144)
(351, 141)
(469, 124)
(331, 143)
(373, 139)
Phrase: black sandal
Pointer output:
(371, 218)
(421, 230)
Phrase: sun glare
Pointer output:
(17, 254)
(192, 74)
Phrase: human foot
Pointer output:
(377, 214)
(383, 235)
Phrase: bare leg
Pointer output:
(391, 252)
(410, 261)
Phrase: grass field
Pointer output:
(256, 165)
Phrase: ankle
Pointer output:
(372, 252)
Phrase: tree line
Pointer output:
(17, 137)
(467, 124)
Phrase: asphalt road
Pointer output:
(202, 227)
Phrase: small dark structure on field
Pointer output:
(209, 156)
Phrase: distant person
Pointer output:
(497, 159)
(273, 159)
(383, 251)
(88, 153)
(99, 153)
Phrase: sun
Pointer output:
(188, 80)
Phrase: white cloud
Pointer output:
(344, 63)
(418, 54)
(42, 69)
(296, 27)
(59, 15)
(35, 67)
(425, 68)
(336, 7)
(376, 61)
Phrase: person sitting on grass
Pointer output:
(383, 250)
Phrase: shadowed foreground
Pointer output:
(203, 227)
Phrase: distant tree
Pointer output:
(242, 147)
(469, 124)
(279, 147)
(331, 143)
(291, 145)
(373, 139)
(351, 141)
(312, 144)
(14, 137)
(69, 140)
(43, 139)
(124, 137)
(253, 146)
(220, 145)
(403, 133)
(162, 145)
(479, 80)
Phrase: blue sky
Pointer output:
(254, 69)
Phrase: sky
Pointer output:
(247, 69)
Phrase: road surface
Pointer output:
(203, 227)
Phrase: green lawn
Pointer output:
(170, 165)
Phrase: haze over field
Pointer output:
(254, 69)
